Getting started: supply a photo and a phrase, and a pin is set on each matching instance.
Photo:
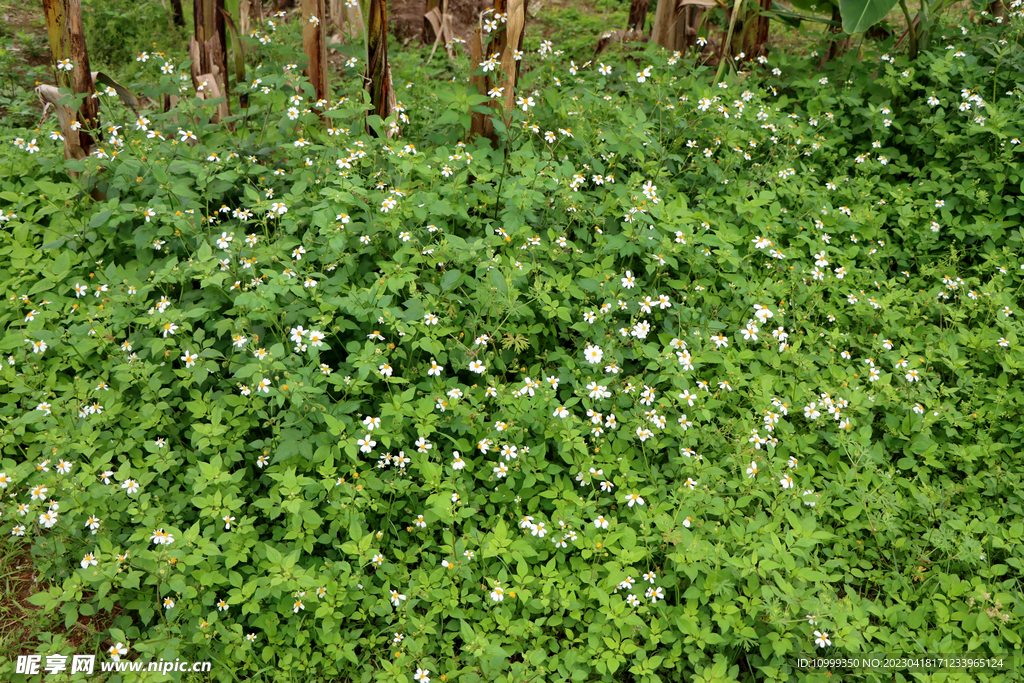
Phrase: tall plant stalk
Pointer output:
(911, 28)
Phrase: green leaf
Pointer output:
(273, 555)
(860, 15)
(449, 280)
(497, 281)
(100, 218)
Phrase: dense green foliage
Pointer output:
(691, 377)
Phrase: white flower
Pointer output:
(161, 537)
(593, 354)
(821, 639)
(762, 313)
(525, 103)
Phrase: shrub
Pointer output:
(663, 394)
(117, 30)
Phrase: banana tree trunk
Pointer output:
(480, 123)
(208, 48)
(755, 31)
(429, 34)
(676, 23)
(638, 14)
(177, 13)
(666, 20)
(836, 47)
(314, 44)
(67, 46)
(377, 76)
(507, 42)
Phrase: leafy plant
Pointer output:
(117, 30)
(860, 15)
(695, 378)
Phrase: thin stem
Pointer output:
(723, 60)
(910, 28)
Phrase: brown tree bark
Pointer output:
(209, 24)
(500, 40)
(67, 42)
(638, 14)
(177, 13)
(208, 49)
(429, 35)
(755, 31)
(377, 77)
(480, 123)
(314, 44)
(836, 48)
(664, 30)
